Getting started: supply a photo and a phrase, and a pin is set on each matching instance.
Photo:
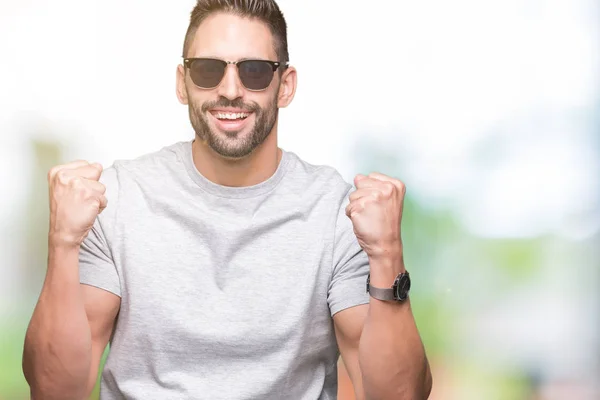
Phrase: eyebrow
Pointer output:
(241, 59)
(254, 58)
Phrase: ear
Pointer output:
(287, 87)
(180, 85)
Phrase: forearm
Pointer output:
(58, 345)
(391, 353)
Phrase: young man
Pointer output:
(225, 267)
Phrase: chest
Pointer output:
(226, 282)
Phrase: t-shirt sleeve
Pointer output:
(350, 266)
(96, 265)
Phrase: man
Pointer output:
(225, 267)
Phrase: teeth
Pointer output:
(232, 115)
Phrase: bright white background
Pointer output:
(433, 77)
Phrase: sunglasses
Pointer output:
(255, 75)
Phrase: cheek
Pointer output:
(269, 102)
(195, 98)
(195, 104)
(195, 111)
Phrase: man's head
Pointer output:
(234, 107)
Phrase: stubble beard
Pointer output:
(232, 145)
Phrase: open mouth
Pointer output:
(230, 121)
(222, 116)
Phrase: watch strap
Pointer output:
(402, 282)
(381, 294)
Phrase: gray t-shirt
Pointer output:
(226, 292)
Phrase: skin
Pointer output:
(379, 342)
(72, 323)
(232, 38)
(366, 334)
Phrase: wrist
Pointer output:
(385, 252)
(386, 266)
(62, 243)
(63, 264)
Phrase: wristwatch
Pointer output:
(398, 291)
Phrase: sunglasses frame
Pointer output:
(187, 62)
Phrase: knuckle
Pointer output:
(63, 177)
(52, 172)
(91, 194)
(387, 188)
(398, 183)
(88, 193)
(77, 183)
(402, 187)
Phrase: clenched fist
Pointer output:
(76, 199)
(375, 209)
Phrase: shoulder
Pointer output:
(151, 163)
(150, 167)
(317, 179)
(325, 184)
(145, 166)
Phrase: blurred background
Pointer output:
(489, 111)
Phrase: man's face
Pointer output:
(231, 38)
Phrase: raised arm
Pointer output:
(71, 323)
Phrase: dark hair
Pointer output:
(266, 11)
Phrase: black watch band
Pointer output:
(398, 291)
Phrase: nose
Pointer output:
(230, 86)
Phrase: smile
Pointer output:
(231, 116)
(230, 120)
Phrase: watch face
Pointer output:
(403, 287)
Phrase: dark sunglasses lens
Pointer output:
(256, 75)
(207, 73)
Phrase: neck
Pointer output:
(251, 170)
